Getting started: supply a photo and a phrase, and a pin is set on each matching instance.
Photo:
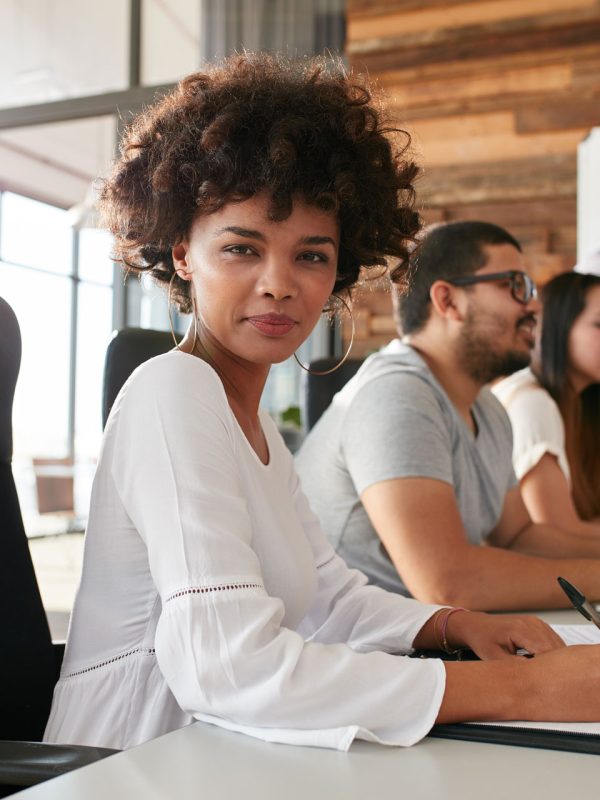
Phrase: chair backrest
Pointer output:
(28, 668)
(318, 390)
(129, 348)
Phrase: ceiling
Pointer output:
(59, 49)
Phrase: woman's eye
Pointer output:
(239, 249)
(314, 258)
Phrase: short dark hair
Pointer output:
(259, 122)
(443, 251)
(563, 299)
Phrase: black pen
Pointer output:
(581, 604)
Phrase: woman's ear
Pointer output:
(446, 301)
(179, 255)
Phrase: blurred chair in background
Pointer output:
(129, 348)
(30, 663)
(28, 667)
(318, 390)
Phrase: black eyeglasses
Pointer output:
(522, 287)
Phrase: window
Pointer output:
(92, 334)
(59, 283)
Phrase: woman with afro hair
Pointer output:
(255, 193)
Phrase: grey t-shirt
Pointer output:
(394, 420)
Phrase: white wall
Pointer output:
(588, 202)
(54, 49)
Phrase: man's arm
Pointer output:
(420, 526)
(548, 499)
(515, 531)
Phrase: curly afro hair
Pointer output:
(254, 123)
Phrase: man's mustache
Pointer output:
(527, 319)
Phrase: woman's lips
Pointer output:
(272, 324)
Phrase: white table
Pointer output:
(213, 764)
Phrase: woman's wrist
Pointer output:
(442, 625)
(456, 625)
(468, 695)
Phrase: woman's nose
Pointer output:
(277, 279)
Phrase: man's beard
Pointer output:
(476, 352)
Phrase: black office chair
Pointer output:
(317, 390)
(129, 348)
(29, 663)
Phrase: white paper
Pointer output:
(578, 634)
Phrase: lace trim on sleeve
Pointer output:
(142, 651)
(327, 561)
(219, 587)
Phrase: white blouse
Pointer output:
(209, 592)
(536, 421)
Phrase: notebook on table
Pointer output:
(577, 737)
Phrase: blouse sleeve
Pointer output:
(346, 608)
(537, 429)
(219, 642)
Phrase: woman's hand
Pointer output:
(493, 636)
(556, 686)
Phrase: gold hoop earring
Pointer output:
(346, 354)
(169, 302)
(173, 276)
(195, 312)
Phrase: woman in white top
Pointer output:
(554, 408)
(254, 191)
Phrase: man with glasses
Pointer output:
(410, 468)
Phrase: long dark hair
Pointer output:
(563, 300)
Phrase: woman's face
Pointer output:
(584, 343)
(260, 285)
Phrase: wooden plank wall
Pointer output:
(496, 94)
